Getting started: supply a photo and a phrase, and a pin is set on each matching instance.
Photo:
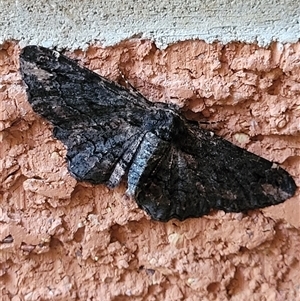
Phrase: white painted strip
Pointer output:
(73, 24)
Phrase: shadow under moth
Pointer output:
(173, 168)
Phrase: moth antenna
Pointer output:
(129, 85)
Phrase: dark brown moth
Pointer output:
(173, 168)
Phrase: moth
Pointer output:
(173, 167)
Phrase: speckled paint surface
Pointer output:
(77, 24)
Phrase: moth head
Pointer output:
(168, 124)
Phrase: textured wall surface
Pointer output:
(73, 24)
(64, 240)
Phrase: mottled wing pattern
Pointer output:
(174, 169)
(201, 171)
(98, 120)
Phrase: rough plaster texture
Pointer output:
(63, 240)
(74, 24)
